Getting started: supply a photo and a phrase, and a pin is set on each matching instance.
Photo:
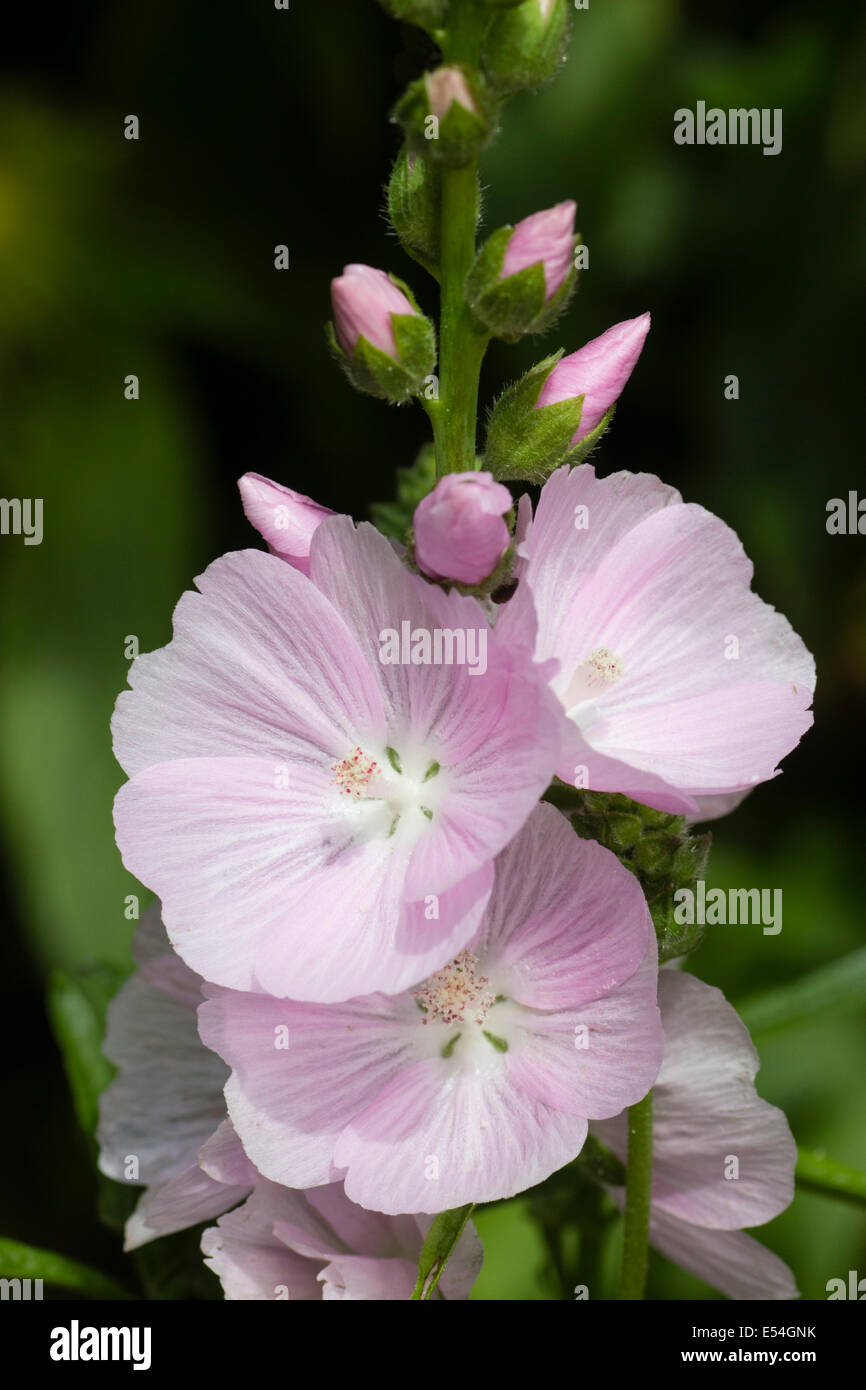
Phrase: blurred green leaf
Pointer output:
(19, 1261)
(839, 985)
(76, 1007)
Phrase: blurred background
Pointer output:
(155, 257)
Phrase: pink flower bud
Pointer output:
(363, 300)
(598, 371)
(547, 237)
(459, 528)
(446, 85)
(285, 518)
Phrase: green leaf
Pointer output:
(19, 1261)
(441, 1239)
(841, 984)
(76, 1008)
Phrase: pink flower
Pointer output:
(676, 681)
(478, 1083)
(547, 237)
(363, 300)
(459, 530)
(598, 371)
(722, 1157)
(445, 86)
(165, 1107)
(318, 1245)
(286, 519)
(317, 808)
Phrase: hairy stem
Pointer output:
(461, 345)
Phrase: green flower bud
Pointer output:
(414, 207)
(524, 47)
(448, 116)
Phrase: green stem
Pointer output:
(461, 345)
(817, 1173)
(638, 1192)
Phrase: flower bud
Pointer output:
(524, 47)
(459, 529)
(559, 411)
(523, 276)
(447, 115)
(598, 372)
(382, 342)
(285, 518)
(415, 207)
(547, 237)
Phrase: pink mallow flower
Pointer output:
(723, 1158)
(459, 529)
(598, 371)
(165, 1110)
(363, 300)
(285, 518)
(479, 1082)
(316, 801)
(676, 682)
(546, 237)
(318, 1245)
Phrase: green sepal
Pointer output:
(523, 50)
(510, 307)
(394, 379)
(440, 1241)
(528, 443)
(462, 133)
(415, 208)
(587, 444)
(657, 847)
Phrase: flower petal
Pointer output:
(439, 1136)
(707, 1113)
(301, 1071)
(260, 665)
(551, 937)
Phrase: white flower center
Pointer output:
(354, 773)
(456, 993)
(602, 669)
(393, 798)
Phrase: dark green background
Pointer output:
(261, 127)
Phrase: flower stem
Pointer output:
(638, 1192)
(817, 1173)
(461, 344)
